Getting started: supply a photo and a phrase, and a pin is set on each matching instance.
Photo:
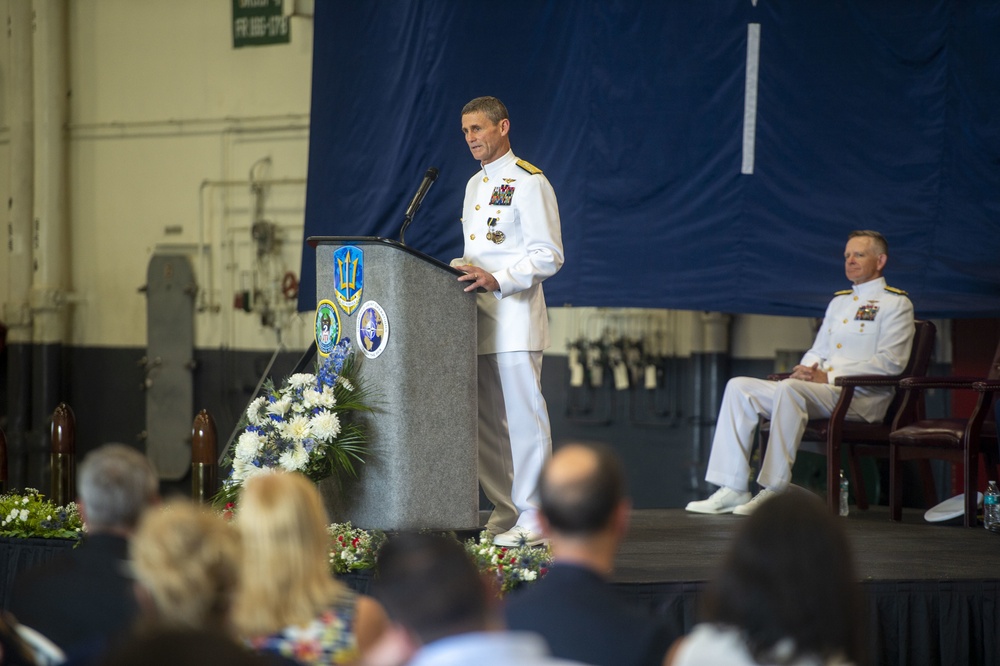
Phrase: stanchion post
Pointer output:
(204, 443)
(63, 455)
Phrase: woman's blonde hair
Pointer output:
(286, 546)
(187, 559)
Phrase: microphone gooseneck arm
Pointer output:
(418, 198)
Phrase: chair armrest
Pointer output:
(850, 380)
(868, 380)
(987, 386)
(939, 382)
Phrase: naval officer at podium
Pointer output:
(510, 222)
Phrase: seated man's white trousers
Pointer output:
(789, 404)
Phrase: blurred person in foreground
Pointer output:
(83, 599)
(186, 561)
(290, 604)
(787, 593)
(14, 650)
(444, 612)
(585, 514)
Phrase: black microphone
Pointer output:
(411, 210)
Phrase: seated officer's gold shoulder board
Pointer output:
(529, 167)
(843, 292)
(896, 291)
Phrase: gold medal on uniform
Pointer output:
(492, 235)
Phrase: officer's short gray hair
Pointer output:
(491, 106)
(878, 240)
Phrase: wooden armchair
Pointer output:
(956, 440)
(827, 436)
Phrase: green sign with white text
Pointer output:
(259, 22)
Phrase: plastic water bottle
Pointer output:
(991, 507)
(844, 510)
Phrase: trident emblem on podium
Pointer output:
(348, 277)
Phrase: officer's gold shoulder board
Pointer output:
(842, 292)
(896, 291)
(529, 167)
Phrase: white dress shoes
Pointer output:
(751, 506)
(723, 500)
(519, 536)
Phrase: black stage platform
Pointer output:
(933, 589)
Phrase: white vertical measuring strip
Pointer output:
(750, 98)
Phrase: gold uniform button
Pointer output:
(486, 179)
(477, 206)
(472, 236)
(845, 321)
(498, 211)
(839, 345)
(855, 298)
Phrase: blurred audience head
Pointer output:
(429, 585)
(116, 484)
(788, 582)
(286, 546)
(187, 562)
(582, 490)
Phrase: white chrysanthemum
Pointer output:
(327, 399)
(301, 379)
(325, 425)
(298, 407)
(528, 574)
(279, 407)
(311, 398)
(253, 410)
(24, 515)
(243, 470)
(294, 459)
(248, 446)
(296, 428)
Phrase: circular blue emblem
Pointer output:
(327, 327)
(373, 329)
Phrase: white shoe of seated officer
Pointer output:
(723, 500)
(754, 504)
(519, 536)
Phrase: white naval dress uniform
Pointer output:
(510, 222)
(866, 330)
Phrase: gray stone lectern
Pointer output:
(409, 317)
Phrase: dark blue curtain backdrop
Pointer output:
(882, 115)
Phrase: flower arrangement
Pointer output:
(512, 567)
(31, 515)
(352, 548)
(302, 426)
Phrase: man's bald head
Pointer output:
(581, 486)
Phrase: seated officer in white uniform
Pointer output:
(868, 329)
